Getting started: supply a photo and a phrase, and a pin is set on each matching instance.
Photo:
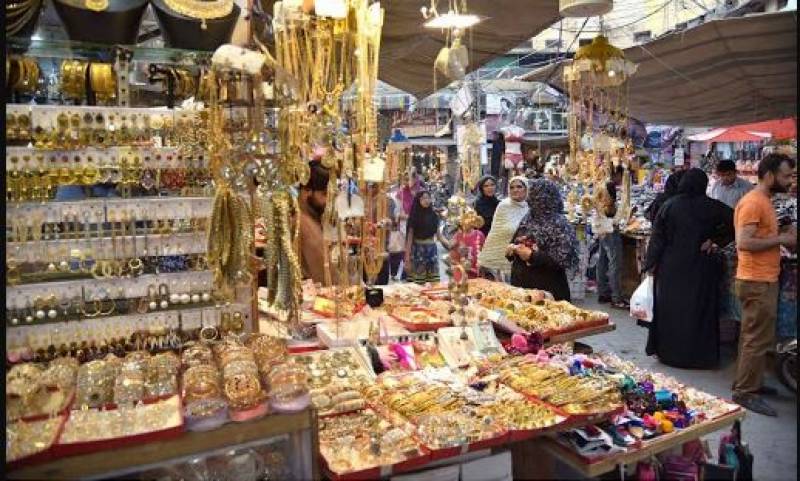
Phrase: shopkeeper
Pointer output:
(312, 200)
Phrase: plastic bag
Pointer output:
(642, 300)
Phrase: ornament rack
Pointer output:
(107, 206)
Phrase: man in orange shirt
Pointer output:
(758, 244)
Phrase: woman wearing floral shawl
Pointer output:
(544, 248)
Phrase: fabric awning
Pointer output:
(724, 72)
(783, 129)
(408, 49)
(730, 135)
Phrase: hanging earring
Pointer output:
(163, 292)
(152, 295)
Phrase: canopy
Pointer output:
(783, 129)
(730, 135)
(723, 72)
(408, 49)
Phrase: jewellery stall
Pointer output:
(115, 291)
(138, 346)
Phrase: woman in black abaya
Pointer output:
(683, 256)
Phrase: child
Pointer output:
(422, 255)
(468, 242)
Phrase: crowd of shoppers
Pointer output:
(523, 237)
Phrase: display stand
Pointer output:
(300, 427)
(600, 466)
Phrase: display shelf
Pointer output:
(603, 465)
(143, 209)
(131, 459)
(134, 287)
(52, 48)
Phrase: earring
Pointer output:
(163, 292)
(152, 295)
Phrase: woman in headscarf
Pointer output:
(410, 189)
(422, 255)
(544, 247)
(670, 190)
(507, 218)
(683, 256)
(487, 201)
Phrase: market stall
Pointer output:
(139, 342)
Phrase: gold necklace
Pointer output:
(93, 5)
(200, 9)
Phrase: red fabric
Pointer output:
(781, 129)
(474, 243)
(735, 134)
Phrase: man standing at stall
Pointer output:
(312, 201)
(609, 256)
(758, 243)
(728, 188)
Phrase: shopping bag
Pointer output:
(397, 242)
(642, 300)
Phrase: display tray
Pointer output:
(129, 458)
(453, 451)
(555, 336)
(377, 472)
(175, 429)
(43, 456)
(597, 466)
(421, 326)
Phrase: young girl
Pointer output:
(422, 256)
(468, 242)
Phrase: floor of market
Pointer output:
(773, 441)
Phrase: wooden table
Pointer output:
(647, 450)
(140, 457)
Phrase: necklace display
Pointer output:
(201, 9)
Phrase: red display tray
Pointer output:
(73, 449)
(42, 456)
(376, 472)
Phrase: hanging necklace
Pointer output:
(200, 9)
(93, 5)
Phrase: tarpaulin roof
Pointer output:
(723, 72)
(408, 49)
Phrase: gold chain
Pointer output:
(201, 9)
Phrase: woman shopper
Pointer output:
(670, 190)
(544, 247)
(487, 201)
(684, 258)
(422, 254)
(507, 218)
